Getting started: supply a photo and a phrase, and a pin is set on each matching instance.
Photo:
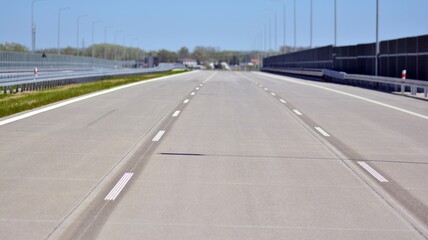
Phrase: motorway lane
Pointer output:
(238, 164)
(52, 161)
(393, 142)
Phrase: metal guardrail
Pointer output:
(33, 83)
(342, 77)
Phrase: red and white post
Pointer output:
(404, 74)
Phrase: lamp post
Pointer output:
(115, 43)
(105, 40)
(77, 46)
(295, 29)
(311, 23)
(124, 46)
(93, 26)
(59, 24)
(285, 29)
(33, 26)
(335, 22)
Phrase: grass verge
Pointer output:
(15, 103)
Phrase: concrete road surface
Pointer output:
(218, 155)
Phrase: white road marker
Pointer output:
(373, 172)
(273, 94)
(324, 133)
(297, 112)
(118, 187)
(176, 114)
(193, 93)
(350, 95)
(200, 85)
(261, 86)
(197, 89)
(282, 100)
(266, 89)
(78, 99)
(186, 101)
(158, 136)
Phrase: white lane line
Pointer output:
(297, 112)
(273, 94)
(266, 89)
(176, 114)
(186, 101)
(324, 133)
(197, 89)
(158, 136)
(193, 93)
(351, 95)
(78, 99)
(118, 187)
(283, 101)
(373, 172)
(261, 86)
(200, 85)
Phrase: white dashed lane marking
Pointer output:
(158, 136)
(373, 172)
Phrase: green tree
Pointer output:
(13, 47)
(183, 53)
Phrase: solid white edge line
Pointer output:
(324, 133)
(186, 101)
(158, 136)
(282, 100)
(351, 95)
(373, 172)
(176, 114)
(112, 195)
(297, 112)
(81, 98)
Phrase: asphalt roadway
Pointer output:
(218, 155)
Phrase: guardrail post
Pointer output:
(402, 88)
(426, 92)
(413, 90)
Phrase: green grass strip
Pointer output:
(15, 103)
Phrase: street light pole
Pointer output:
(93, 26)
(312, 23)
(33, 27)
(335, 22)
(59, 24)
(77, 46)
(377, 39)
(295, 29)
(285, 29)
(115, 43)
(276, 35)
(105, 40)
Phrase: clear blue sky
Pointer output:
(224, 24)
